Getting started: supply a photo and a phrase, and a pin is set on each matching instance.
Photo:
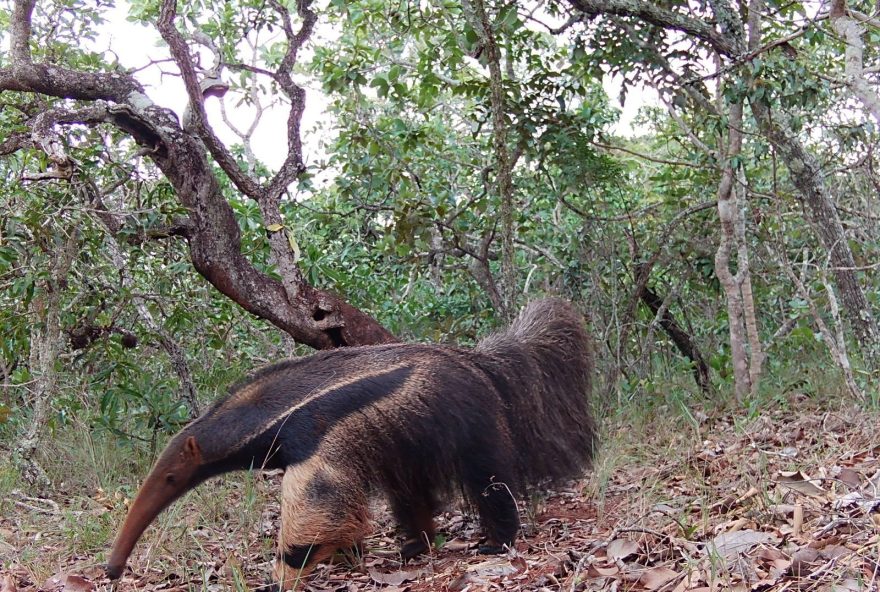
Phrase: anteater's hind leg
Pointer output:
(488, 484)
(321, 511)
(415, 514)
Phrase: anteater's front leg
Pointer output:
(488, 482)
(321, 511)
(415, 514)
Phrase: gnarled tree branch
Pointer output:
(656, 15)
(313, 317)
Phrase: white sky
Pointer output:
(135, 45)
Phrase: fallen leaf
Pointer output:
(855, 498)
(666, 509)
(849, 585)
(802, 562)
(689, 582)
(850, 477)
(8, 584)
(834, 552)
(602, 571)
(74, 583)
(456, 545)
(622, 548)
(519, 563)
(775, 559)
(395, 578)
(731, 544)
(874, 481)
(799, 482)
(461, 582)
(657, 577)
(493, 568)
(95, 572)
(56, 582)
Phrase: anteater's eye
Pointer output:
(170, 478)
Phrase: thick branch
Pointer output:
(215, 246)
(851, 31)
(681, 338)
(64, 83)
(663, 18)
(314, 317)
(503, 178)
(21, 31)
(806, 176)
(14, 143)
(180, 52)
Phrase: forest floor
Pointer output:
(787, 500)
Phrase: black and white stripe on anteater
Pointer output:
(416, 423)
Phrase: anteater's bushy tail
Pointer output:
(542, 365)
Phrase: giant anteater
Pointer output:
(413, 422)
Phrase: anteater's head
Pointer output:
(175, 473)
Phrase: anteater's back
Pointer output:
(542, 366)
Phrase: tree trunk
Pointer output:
(728, 215)
(503, 163)
(807, 177)
(46, 343)
(854, 70)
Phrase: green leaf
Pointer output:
(293, 246)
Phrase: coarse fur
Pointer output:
(413, 422)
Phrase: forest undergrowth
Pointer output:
(702, 500)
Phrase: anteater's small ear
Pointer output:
(191, 450)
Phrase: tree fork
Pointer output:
(314, 317)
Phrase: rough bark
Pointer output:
(750, 317)
(482, 273)
(317, 318)
(806, 175)
(503, 174)
(656, 15)
(851, 32)
(46, 343)
(727, 216)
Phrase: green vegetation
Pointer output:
(724, 250)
